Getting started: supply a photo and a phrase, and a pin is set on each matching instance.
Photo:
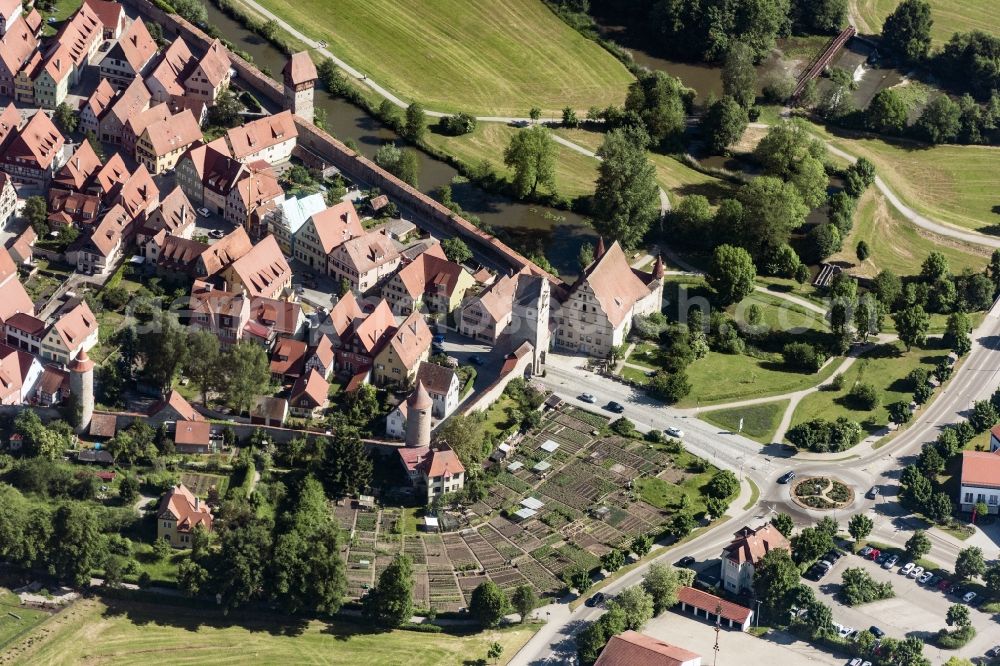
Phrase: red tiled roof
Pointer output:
(288, 357)
(313, 387)
(442, 462)
(299, 68)
(981, 468)
(263, 269)
(39, 142)
(179, 405)
(634, 649)
(751, 545)
(709, 602)
(260, 134)
(193, 433)
(180, 503)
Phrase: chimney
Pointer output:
(197, 503)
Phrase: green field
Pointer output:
(200, 483)
(654, 490)
(759, 421)
(119, 632)
(778, 313)
(950, 16)
(16, 620)
(485, 58)
(956, 185)
(885, 368)
(575, 172)
(898, 245)
(719, 378)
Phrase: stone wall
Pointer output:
(492, 393)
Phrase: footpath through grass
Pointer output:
(125, 632)
(490, 57)
(759, 421)
(950, 16)
(16, 620)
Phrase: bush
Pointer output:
(458, 124)
(803, 356)
(953, 640)
(822, 436)
(859, 587)
(865, 396)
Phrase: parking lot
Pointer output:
(915, 610)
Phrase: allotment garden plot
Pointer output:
(563, 498)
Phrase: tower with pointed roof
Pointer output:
(81, 386)
(300, 77)
(418, 417)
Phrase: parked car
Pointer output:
(204, 212)
(906, 569)
(786, 477)
(853, 636)
(883, 558)
(945, 585)
(685, 562)
(674, 432)
(935, 579)
(890, 562)
(915, 571)
(832, 555)
(864, 552)
(993, 651)
(217, 234)
(844, 631)
(438, 338)
(969, 596)
(872, 492)
(876, 632)
(854, 662)
(614, 407)
(586, 397)
(874, 554)
(925, 577)
(595, 600)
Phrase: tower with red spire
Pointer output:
(81, 387)
(599, 252)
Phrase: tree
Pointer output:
(569, 118)
(869, 316)
(65, 119)
(824, 240)
(390, 603)
(531, 154)
(724, 124)
(771, 210)
(488, 604)
(239, 575)
(225, 113)
(202, 364)
(191, 578)
(613, 560)
(307, 572)
(912, 324)
(992, 578)
(534, 113)
(128, 488)
(818, 16)
(75, 547)
(347, 468)
(459, 124)
(35, 211)
(456, 250)
(626, 199)
(656, 99)
(731, 274)
(247, 375)
(859, 527)
(981, 508)
(984, 416)
(637, 604)
(723, 484)
(939, 507)
(416, 122)
(773, 578)
(959, 616)
(496, 649)
(918, 545)
(578, 579)
(661, 583)
(716, 507)
(887, 112)
(809, 544)
(783, 523)
(956, 333)
(907, 30)
(859, 587)
(166, 350)
(899, 412)
(970, 563)
(524, 600)
(785, 147)
(739, 77)
(887, 287)
(642, 544)
(940, 120)
(404, 164)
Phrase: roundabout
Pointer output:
(822, 493)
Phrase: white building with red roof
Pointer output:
(432, 471)
(74, 331)
(179, 514)
(270, 139)
(34, 155)
(309, 396)
(981, 477)
(746, 551)
(634, 649)
(19, 375)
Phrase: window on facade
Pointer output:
(980, 497)
(968, 498)
(993, 500)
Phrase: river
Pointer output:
(529, 228)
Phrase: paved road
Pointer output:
(976, 379)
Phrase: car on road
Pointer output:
(925, 577)
(786, 477)
(674, 432)
(890, 562)
(872, 492)
(864, 552)
(876, 632)
(906, 569)
(614, 407)
(915, 572)
(476, 359)
(685, 562)
(586, 397)
(219, 233)
(204, 212)
(969, 596)
(595, 600)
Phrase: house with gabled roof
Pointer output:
(73, 47)
(309, 396)
(980, 479)
(323, 231)
(208, 77)
(34, 154)
(74, 331)
(442, 386)
(17, 46)
(288, 360)
(162, 142)
(138, 195)
(166, 80)
(10, 121)
(15, 298)
(20, 372)
(321, 357)
(79, 169)
(99, 251)
(108, 177)
(364, 339)
(486, 314)
(25, 332)
(22, 249)
(263, 271)
(429, 280)
(130, 56)
(410, 344)
(634, 649)
(597, 311)
(747, 549)
(433, 471)
(289, 216)
(224, 313)
(137, 124)
(224, 252)
(95, 107)
(8, 199)
(253, 197)
(173, 256)
(269, 139)
(207, 173)
(172, 408)
(129, 102)
(365, 262)
(111, 16)
(10, 12)
(175, 216)
(179, 514)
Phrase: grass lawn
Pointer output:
(759, 421)
(950, 16)
(11, 627)
(885, 368)
(898, 245)
(575, 173)
(164, 570)
(497, 419)
(778, 314)
(721, 378)
(486, 58)
(952, 184)
(120, 632)
(654, 490)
